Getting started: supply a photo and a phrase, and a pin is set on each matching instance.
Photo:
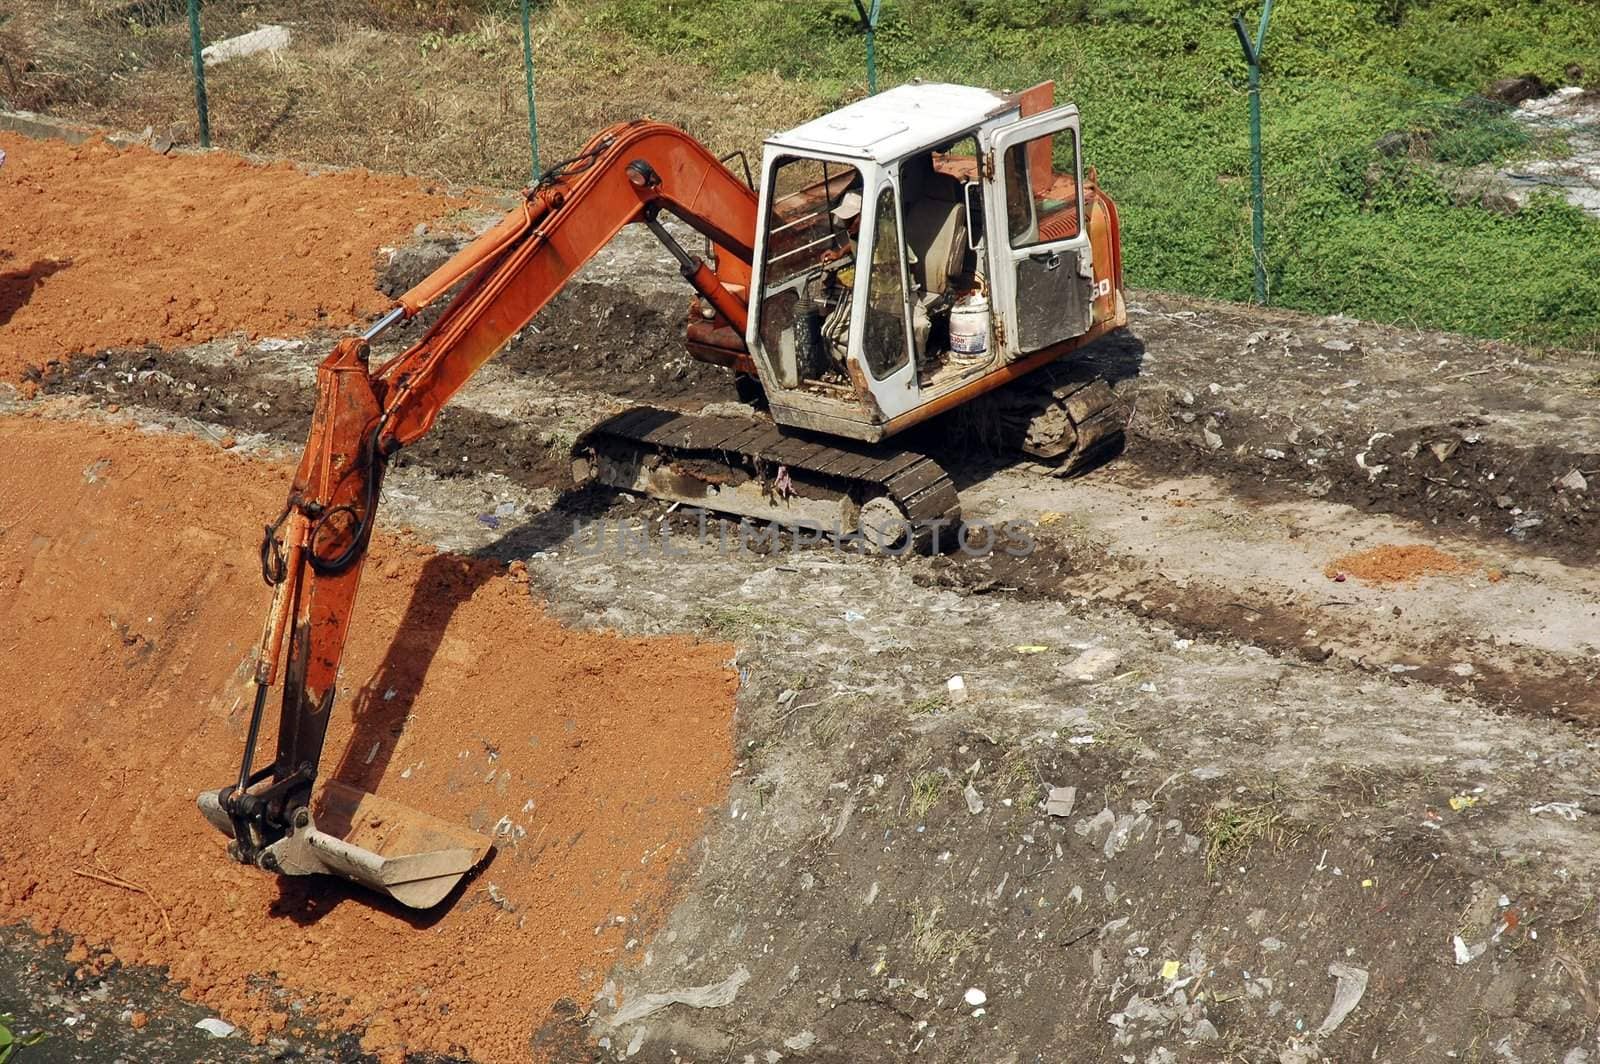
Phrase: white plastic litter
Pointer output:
(216, 1028)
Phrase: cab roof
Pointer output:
(895, 123)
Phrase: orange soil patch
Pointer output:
(1397, 564)
(101, 247)
(129, 603)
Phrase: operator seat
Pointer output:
(936, 237)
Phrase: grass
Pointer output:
(735, 623)
(10, 1042)
(926, 790)
(1017, 779)
(1160, 83)
(827, 725)
(1233, 830)
(434, 87)
(933, 943)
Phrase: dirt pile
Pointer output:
(101, 247)
(1397, 564)
(130, 599)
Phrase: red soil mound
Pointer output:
(129, 603)
(1397, 564)
(104, 248)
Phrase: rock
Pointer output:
(1574, 481)
(1061, 801)
(1213, 441)
(1096, 663)
(1102, 820)
(975, 997)
(138, 1020)
(263, 39)
(1519, 89)
(1503, 501)
(800, 1042)
(957, 688)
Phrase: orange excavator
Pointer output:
(903, 256)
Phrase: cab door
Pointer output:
(1043, 284)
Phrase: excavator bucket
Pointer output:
(415, 858)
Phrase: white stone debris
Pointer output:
(261, 39)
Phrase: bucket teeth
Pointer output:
(413, 857)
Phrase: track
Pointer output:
(755, 469)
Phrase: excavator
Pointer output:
(896, 260)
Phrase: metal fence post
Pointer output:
(199, 74)
(527, 78)
(1252, 56)
(869, 22)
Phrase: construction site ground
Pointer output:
(1316, 657)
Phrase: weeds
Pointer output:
(933, 943)
(1233, 830)
(1018, 780)
(827, 726)
(926, 790)
(735, 623)
(10, 1042)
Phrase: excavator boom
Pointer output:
(312, 555)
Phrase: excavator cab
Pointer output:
(920, 247)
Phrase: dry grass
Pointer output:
(362, 87)
(932, 942)
(1232, 830)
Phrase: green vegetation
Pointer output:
(926, 790)
(10, 1043)
(1232, 830)
(1160, 82)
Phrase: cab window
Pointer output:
(1042, 202)
(884, 337)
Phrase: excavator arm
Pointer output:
(312, 555)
